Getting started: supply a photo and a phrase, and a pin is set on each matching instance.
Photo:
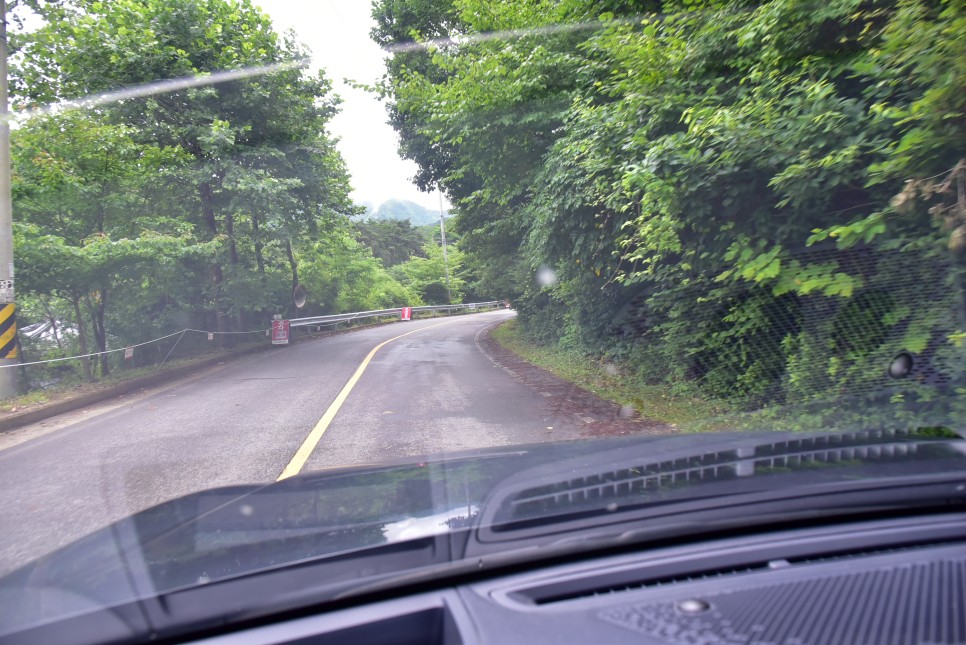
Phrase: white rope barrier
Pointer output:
(122, 349)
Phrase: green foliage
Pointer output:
(342, 276)
(198, 207)
(392, 241)
(742, 200)
(426, 276)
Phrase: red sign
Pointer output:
(407, 313)
(279, 332)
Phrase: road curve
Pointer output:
(428, 391)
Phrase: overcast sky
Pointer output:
(337, 33)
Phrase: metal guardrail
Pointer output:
(360, 315)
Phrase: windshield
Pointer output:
(286, 280)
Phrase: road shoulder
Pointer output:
(602, 418)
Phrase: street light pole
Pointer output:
(8, 319)
(442, 234)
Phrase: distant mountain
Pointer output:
(401, 209)
(370, 209)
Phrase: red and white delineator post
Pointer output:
(406, 313)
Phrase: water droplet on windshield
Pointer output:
(693, 606)
(901, 365)
(546, 276)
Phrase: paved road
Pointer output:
(429, 391)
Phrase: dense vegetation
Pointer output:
(198, 207)
(759, 202)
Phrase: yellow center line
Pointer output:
(311, 441)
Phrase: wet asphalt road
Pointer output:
(431, 391)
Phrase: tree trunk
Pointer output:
(101, 330)
(292, 264)
(207, 197)
(230, 230)
(97, 309)
(233, 258)
(82, 339)
(53, 324)
(259, 258)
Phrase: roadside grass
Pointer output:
(25, 400)
(606, 381)
(690, 414)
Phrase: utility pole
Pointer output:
(8, 308)
(442, 234)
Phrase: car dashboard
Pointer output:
(880, 581)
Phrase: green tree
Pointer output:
(697, 175)
(263, 174)
(341, 275)
(426, 276)
(392, 241)
(76, 184)
(199, 207)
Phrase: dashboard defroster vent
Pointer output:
(544, 596)
(650, 481)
